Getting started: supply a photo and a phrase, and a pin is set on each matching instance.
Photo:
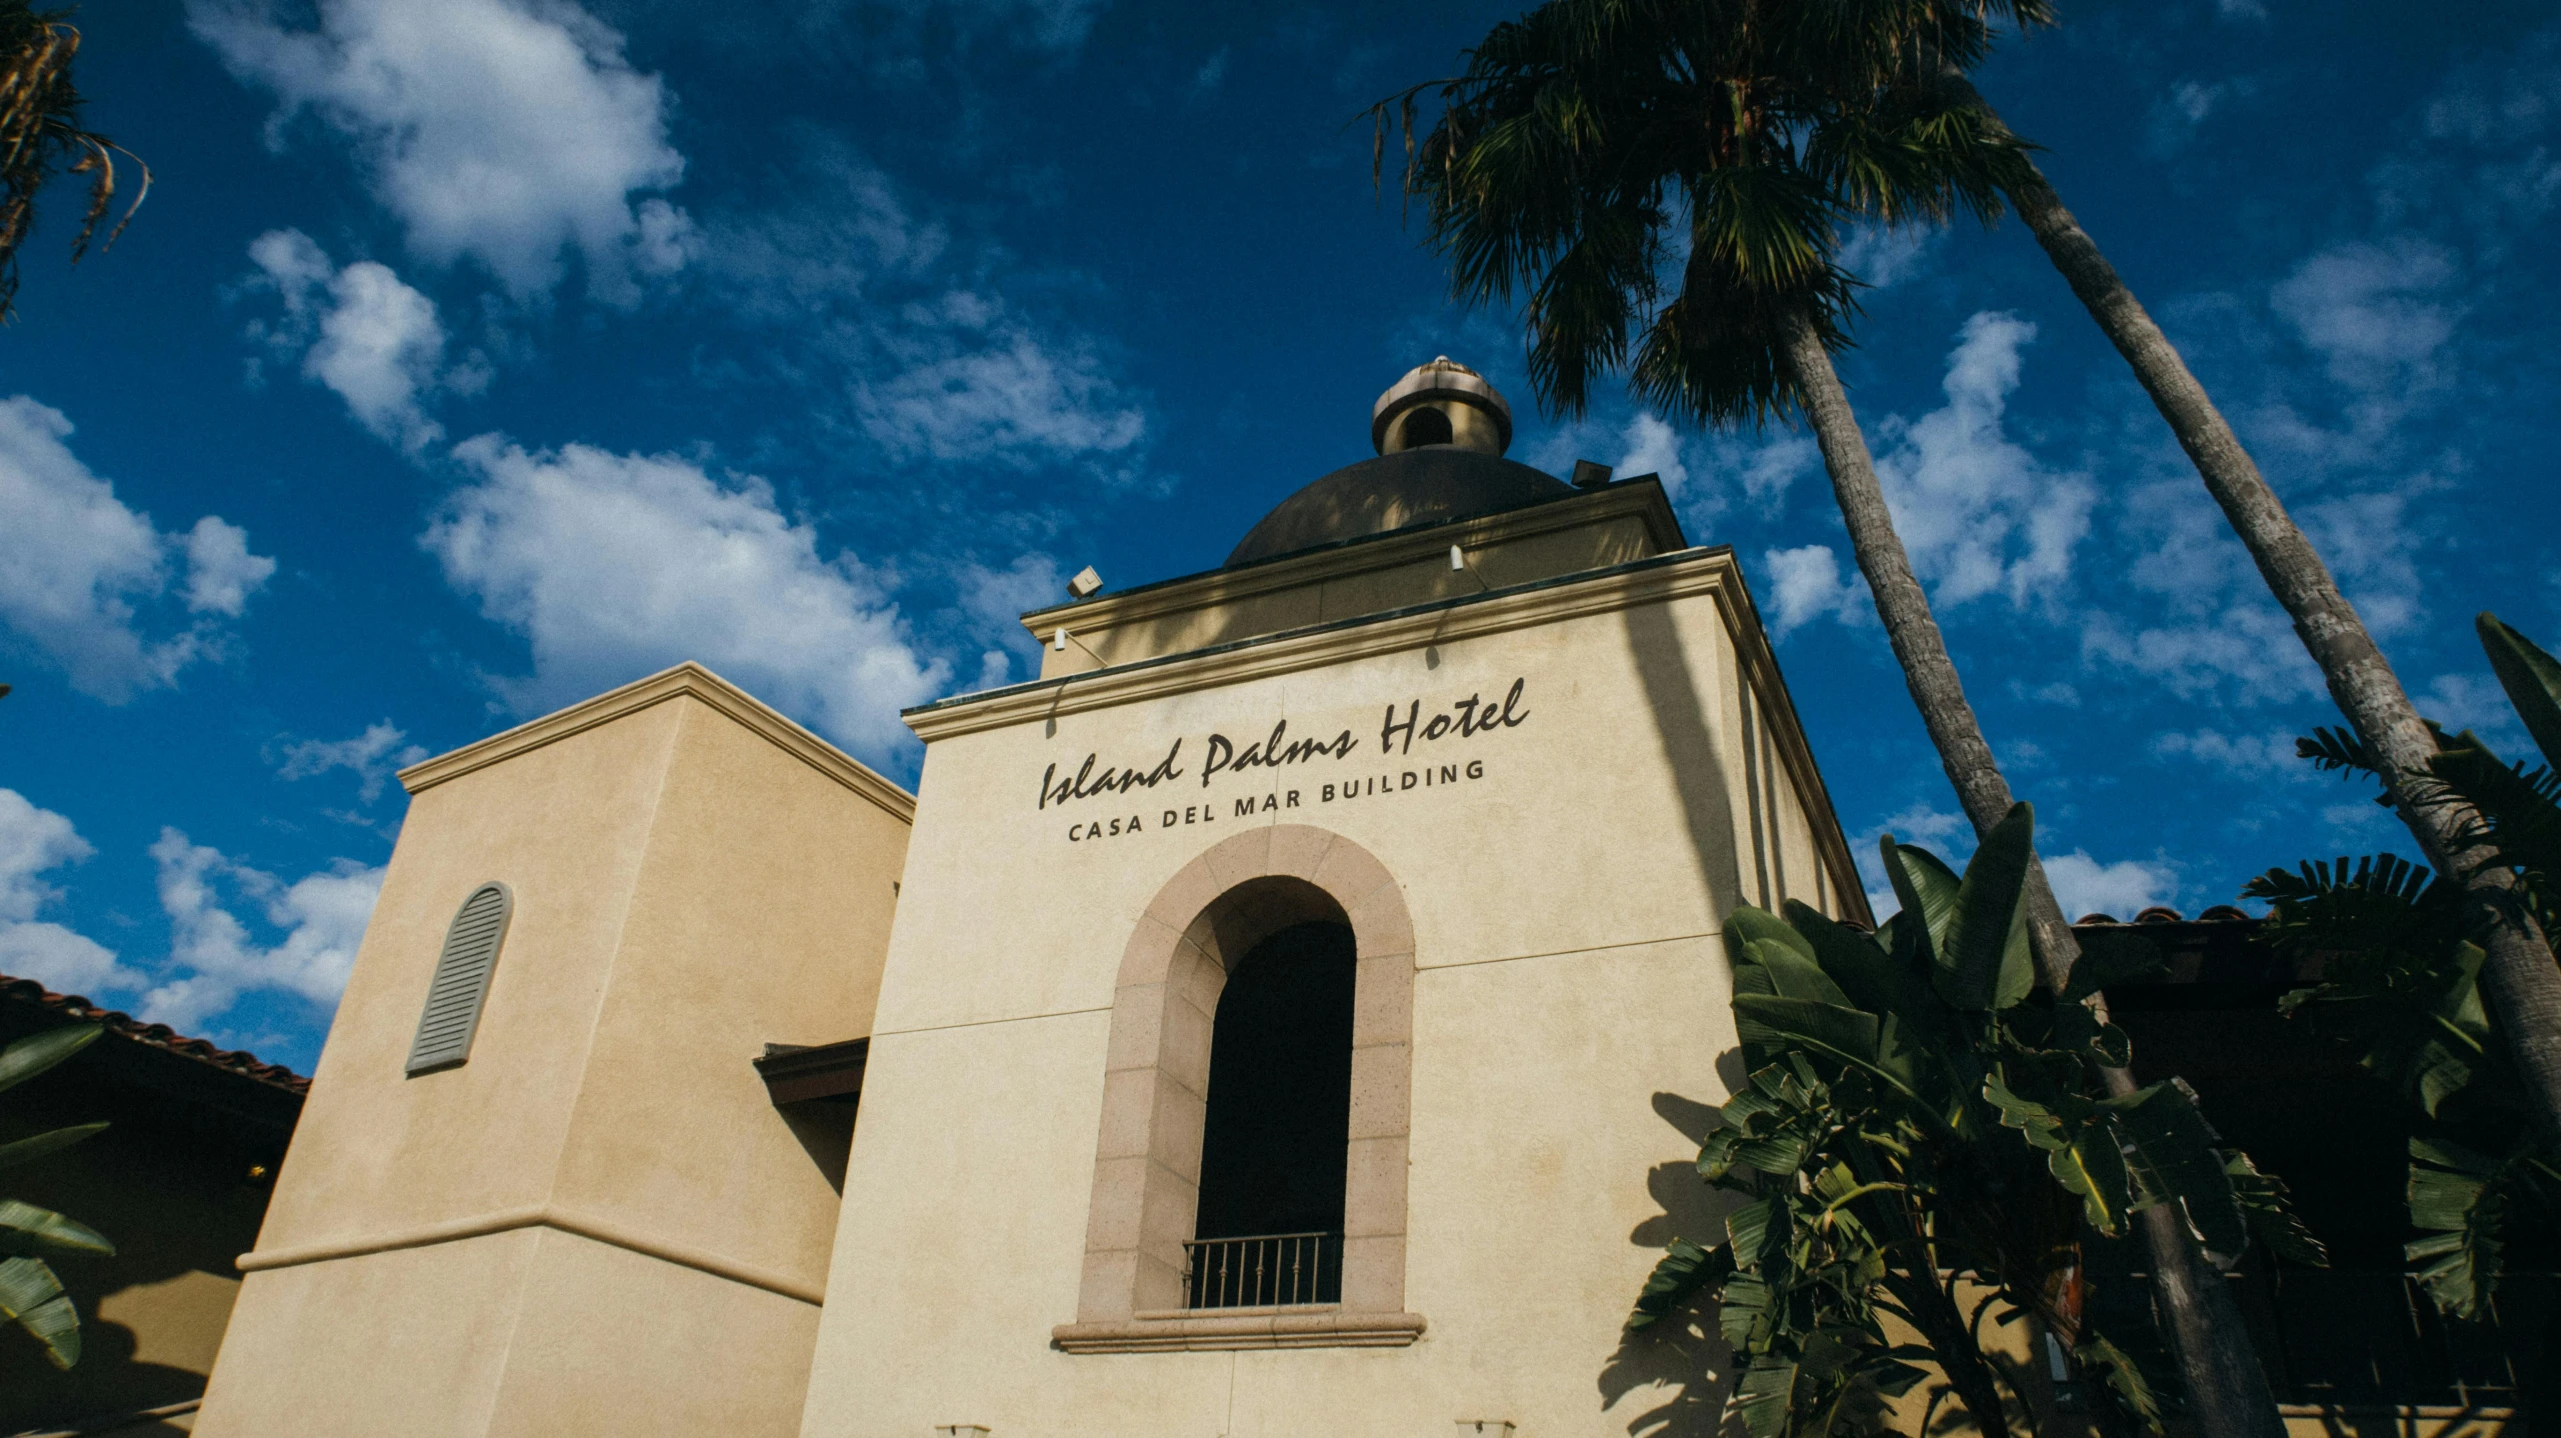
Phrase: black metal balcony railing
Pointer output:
(1265, 1270)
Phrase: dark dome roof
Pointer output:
(1414, 486)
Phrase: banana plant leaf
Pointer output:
(2532, 679)
(28, 1150)
(27, 1229)
(32, 1298)
(2172, 1152)
(1927, 889)
(1869, 975)
(2272, 1219)
(2462, 1198)
(1766, 1396)
(35, 1053)
(1847, 1034)
(1681, 1275)
(1984, 962)
(1794, 970)
(2081, 1149)
(2121, 1373)
(2520, 809)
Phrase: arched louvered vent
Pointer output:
(462, 980)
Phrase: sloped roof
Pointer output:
(77, 1008)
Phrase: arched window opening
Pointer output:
(1427, 425)
(1274, 1139)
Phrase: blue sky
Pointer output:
(472, 356)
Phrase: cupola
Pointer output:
(1441, 403)
(1440, 433)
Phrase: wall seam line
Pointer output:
(548, 1216)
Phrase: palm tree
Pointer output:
(40, 135)
(1593, 148)
(2523, 981)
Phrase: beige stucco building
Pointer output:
(1280, 1017)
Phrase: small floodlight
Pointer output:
(1589, 475)
(1457, 559)
(1086, 583)
(1058, 640)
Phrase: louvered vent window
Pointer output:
(462, 980)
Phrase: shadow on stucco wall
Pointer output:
(1690, 747)
(1682, 1358)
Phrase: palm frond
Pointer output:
(41, 136)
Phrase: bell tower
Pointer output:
(1425, 808)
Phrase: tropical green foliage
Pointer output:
(1919, 1117)
(2401, 981)
(41, 136)
(30, 1295)
(1666, 179)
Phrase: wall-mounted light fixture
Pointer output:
(1086, 584)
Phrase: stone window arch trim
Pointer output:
(1147, 1154)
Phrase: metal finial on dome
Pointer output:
(1441, 403)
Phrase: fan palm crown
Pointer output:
(1666, 179)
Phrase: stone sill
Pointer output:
(1211, 1330)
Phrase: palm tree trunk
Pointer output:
(2524, 983)
(2222, 1374)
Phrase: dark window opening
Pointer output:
(1273, 1143)
(1427, 426)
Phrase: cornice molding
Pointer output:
(686, 680)
(1603, 591)
(1642, 499)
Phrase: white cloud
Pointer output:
(213, 958)
(820, 248)
(2369, 541)
(2180, 112)
(2476, 702)
(221, 572)
(871, 310)
(2258, 755)
(1653, 447)
(33, 840)
(361, 331)
(1806, 585)
(79, 594)
(2371, 312)
(373, 757)
(969, 382)
(1885, 257)
(1768, 468)
(995, 601)
(1758, 467)
(1977, 512)
(503, 131)
(2083, 885)
(613, 566)
(2208, 625)
(2250, 650)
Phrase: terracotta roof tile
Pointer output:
(160, 1036)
